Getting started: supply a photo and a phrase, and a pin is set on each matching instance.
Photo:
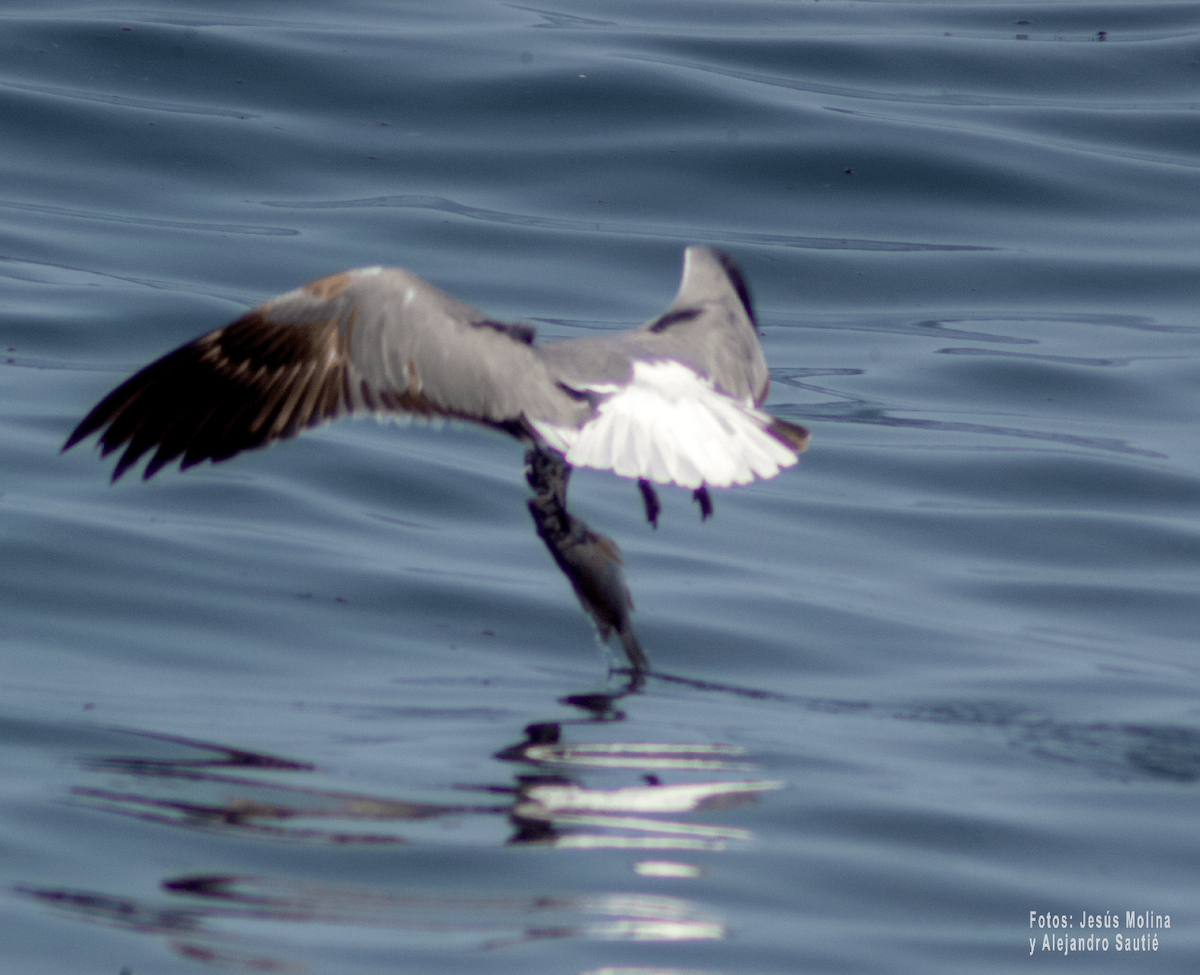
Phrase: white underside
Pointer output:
(672, 426)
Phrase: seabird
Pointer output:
(677, 400)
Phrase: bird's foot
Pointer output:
(650, 500)
(701, 497)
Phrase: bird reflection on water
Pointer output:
(212, 788)
(246, 922)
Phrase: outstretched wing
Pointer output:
(377, 339)
(678, 399)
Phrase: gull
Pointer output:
(677, 400)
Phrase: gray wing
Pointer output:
(376, 339)
(709, 327)
(678, 398)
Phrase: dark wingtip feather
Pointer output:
(98, 417)
(156, 464)
(76, 435)
(128, 459)
(220, 394)
(739, 284)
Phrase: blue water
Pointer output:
(269, 715)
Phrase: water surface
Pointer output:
(271, 714)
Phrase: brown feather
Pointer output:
(234, 388)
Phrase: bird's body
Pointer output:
(676, 400)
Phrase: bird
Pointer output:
(675, 401)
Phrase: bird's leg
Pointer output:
(650, 500)
(700, 496)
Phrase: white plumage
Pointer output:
(671, 426)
